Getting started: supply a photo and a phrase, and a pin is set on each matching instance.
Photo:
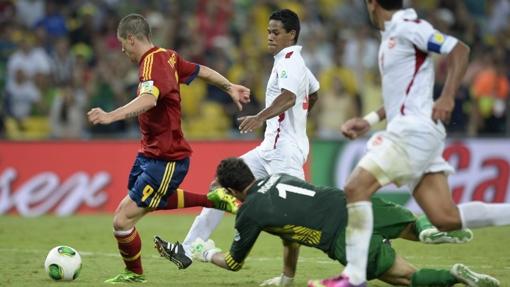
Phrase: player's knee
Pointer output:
(354, 192)
(350, 189)
(120, 223)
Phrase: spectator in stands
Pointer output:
(62, 62)
(29, 12)
(27, 68)
(491, 89)
(213, 19)
(67, 113)
(53, 22)
(336, 106)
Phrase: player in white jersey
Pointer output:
(291, 92)
(409, 151)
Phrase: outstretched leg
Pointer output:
(404, 274)
(434, 197)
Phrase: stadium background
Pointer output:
(59, 58)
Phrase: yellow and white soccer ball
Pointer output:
(63, 263)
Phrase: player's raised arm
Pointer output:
(137, 106)
(239, 94)
(458, 60)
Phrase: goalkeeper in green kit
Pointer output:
(301, 213)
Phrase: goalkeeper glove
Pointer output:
(281, 280)
(203, 250)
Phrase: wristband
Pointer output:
(372, 118)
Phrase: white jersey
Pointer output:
(288, 130)
(406, 69)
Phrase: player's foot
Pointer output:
(434, 236)
(173, 252)
(127, 277)
(341, 281)
(472, 279)
(222, 200)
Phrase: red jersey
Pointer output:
(160, 73)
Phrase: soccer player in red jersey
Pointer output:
(163, 160)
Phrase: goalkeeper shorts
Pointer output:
(389, 221)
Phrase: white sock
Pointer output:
(478, 214)
(203, 226)
(359, 230)
(123, 232)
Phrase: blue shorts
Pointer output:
(152, 181)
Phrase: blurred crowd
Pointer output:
(59, 58)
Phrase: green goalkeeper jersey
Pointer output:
(290, 208)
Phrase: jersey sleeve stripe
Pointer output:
(149, 76)
(148, 72)
(147, 66)
(145, 61)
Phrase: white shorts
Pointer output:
(286, 161)
(403, 157)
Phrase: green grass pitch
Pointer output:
(24, 243)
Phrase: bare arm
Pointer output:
(239, 94)
(218, 259)
(458, 60)
(212, 77)
(381, 112)
(282, 103)
(290, 258)
(312, 99)
(137, 106)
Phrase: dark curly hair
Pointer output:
(391, 4)
(234, 173)
(289, 19)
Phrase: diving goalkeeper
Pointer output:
(301, 213)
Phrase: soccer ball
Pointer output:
(63, 263)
